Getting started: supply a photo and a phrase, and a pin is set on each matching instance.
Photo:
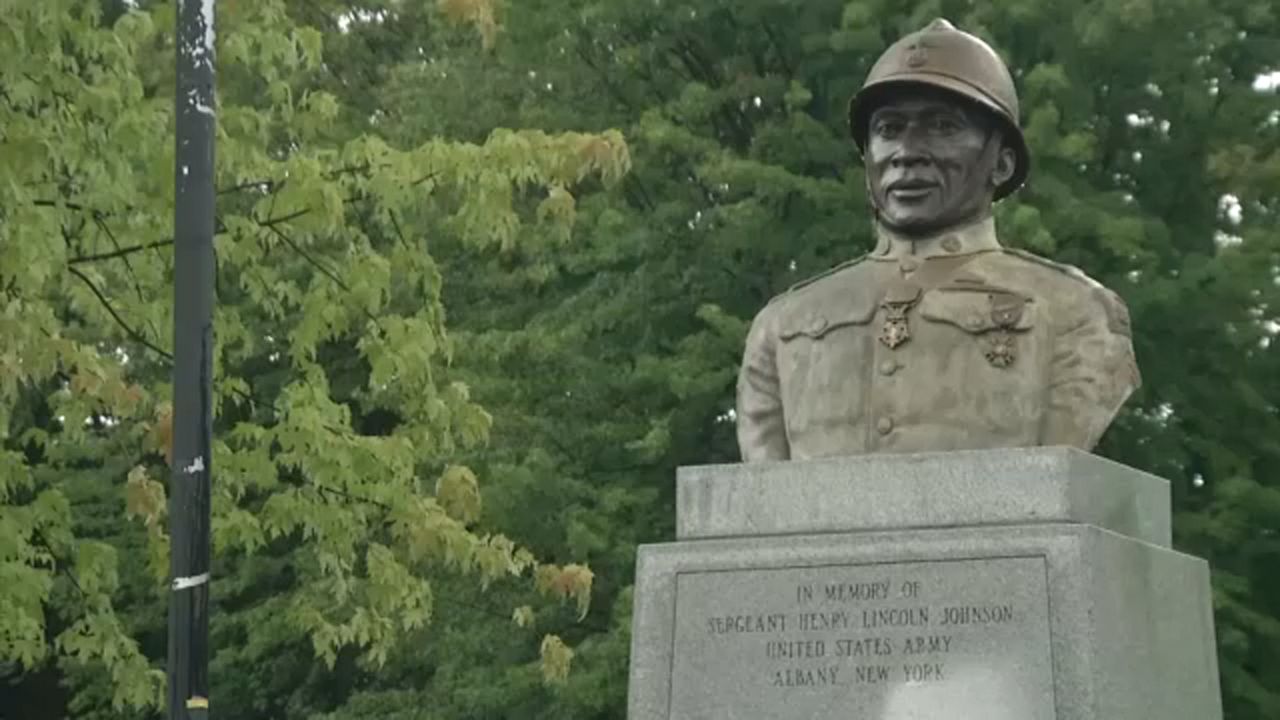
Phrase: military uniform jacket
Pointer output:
(947, 343)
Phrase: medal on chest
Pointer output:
(1006, 312)
(897, 302)
(1000, 351)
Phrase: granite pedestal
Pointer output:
(1021, 584)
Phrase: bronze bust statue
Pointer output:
(940, 338)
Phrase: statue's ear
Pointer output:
(1006, 164)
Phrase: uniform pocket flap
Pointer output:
(816, 323)
(978, 310)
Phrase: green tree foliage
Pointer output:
(339, 497)
(611, 361)
(605, 357)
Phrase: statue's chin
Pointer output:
(924, 224)
(914, 226)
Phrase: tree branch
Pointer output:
(270, 223)
(134, 334)
(139, 337)
(119, 252)
(62, 564)
(349, 496)
(324, 270)
(102, 225)
(396, 225)
(249, 185)
(321, 267)
(133, 276)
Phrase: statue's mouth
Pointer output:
(911, 188)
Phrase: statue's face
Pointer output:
(932, 161)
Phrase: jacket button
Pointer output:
(888, 367)
(884, 425)
(909, 266)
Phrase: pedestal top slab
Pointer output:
(923, 490)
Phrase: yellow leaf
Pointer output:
(556, 659)
(522, 616)
(578, 581)
(571, 582)
(144, 498)
(161, 436)
(480, 13)
(458, 492)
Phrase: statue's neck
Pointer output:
(978, 235)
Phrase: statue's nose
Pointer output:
(912, 147)
(910, 152)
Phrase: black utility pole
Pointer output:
(193, 226)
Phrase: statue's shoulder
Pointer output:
(1052, 268)
(844, 294)
(823, 281)
(1073, 283)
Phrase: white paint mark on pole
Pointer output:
(206, 9)
(196, 466)
(184, 583)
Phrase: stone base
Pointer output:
(951, 489)
(1032, 621)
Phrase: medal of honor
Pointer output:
(897, 302)
(895, 330)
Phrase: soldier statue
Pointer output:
(940, 338)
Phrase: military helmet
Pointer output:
(943, 57)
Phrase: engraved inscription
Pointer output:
(892, 640)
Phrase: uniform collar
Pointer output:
(977, 236)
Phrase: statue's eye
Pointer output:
(889, 127)
(945, 124)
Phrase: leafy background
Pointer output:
(484, 275)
